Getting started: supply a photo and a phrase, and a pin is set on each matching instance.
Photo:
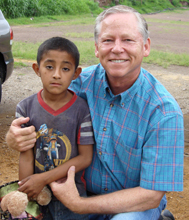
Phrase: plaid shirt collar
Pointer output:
(124, 96)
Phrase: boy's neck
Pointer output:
(56, 102)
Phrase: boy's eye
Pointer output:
(49, 67)
(66, 69)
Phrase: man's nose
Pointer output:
(117, 47)
(57, 74)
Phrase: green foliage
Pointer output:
(34, 8)
(13, 8)
(176, 3)
(31, 8)
(150, 6)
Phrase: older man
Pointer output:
(138, 127)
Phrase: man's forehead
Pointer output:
(119, 16)
(119, 21)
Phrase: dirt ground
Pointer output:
(165, 36)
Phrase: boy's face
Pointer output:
(57, 70)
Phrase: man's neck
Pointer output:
(119, 85)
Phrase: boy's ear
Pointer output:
(77, 72)
(36, 69)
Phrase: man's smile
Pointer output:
(118, 61)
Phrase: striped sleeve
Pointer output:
(85, 135)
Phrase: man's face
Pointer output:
(120, 47)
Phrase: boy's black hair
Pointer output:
(61, 44)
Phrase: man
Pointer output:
(138, 127)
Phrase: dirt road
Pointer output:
(164, 36)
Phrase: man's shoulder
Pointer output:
(89, 71)
(157, 94)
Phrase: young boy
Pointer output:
(63, 125)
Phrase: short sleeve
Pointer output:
(163, 155)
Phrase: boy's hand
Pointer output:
(21, 139)
(31, 185)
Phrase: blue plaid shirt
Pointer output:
(139, 134)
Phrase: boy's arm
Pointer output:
(81, 161)
(32, 185)
(26, 164)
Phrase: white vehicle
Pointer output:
(6, 57)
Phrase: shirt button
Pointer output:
(104, 129)
(111, 105)
(106, 189)
(100, 153)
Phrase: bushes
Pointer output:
(31, 8)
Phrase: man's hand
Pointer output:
(21, 139)
(66, 191)
(31, 185)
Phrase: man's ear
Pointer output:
(96, 50)
(147, 48)
(77, 72)
(36, 69)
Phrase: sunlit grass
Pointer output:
(59, 19)
(154, 20)
(80, 35)
(28, 51)
(166, 59)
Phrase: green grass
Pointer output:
(60, 19)
(154, 20)
(166, 59)
(80, 35)
(85, 43)
(19, 64)
(28, 51)
(23, 50)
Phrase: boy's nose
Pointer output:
(57, 74)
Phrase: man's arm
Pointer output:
(32, 185)
(126, 200)
(21, 139)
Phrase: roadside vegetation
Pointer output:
(40, 13)
(36, 8)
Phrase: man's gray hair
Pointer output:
(142, 24)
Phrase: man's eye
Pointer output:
(108, 40)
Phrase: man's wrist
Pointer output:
(79, 205)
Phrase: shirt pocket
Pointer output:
(125, 165)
